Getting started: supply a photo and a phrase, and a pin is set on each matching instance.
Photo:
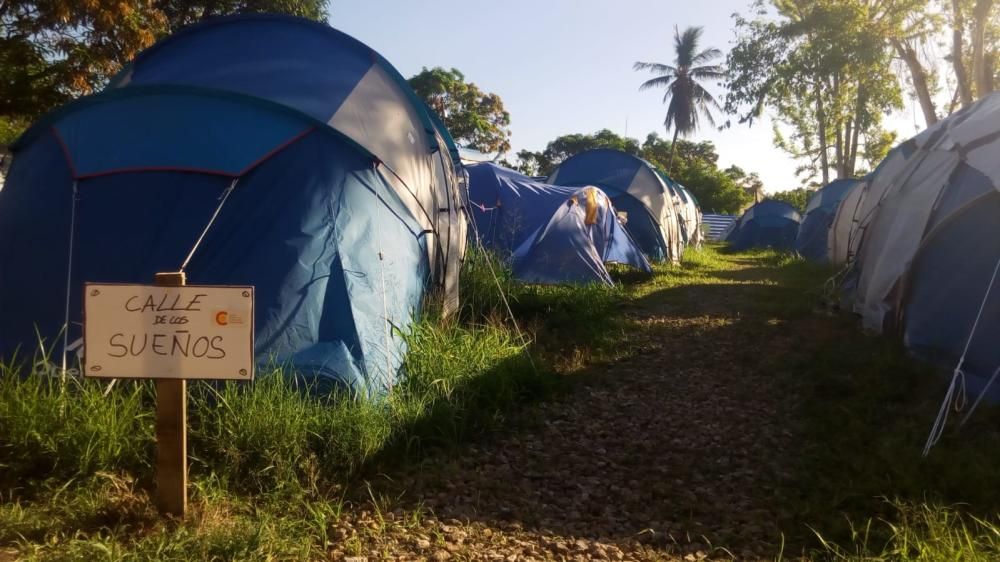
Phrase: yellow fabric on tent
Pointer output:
(592, 207)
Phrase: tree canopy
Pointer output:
(695, 166)
(825, 74)
(475, 119)
(798, 197)
(53, 51)
(545, 162)
(830, 70)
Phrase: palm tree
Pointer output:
(685, 96)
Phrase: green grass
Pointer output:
(273, 467)
(270, 462)
(861, 410)
(920, 533)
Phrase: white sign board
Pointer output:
(149, 331)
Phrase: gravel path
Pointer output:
(676, 453)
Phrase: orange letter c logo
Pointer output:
(222, 318)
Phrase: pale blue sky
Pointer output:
(563, 66)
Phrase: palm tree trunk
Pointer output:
(673, 149)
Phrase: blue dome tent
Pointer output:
(768, 224)
(572, 247)
(507, 207)
(637, 190)
(813, 239)
(333, 192)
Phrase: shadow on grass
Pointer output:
(725, 407)
(750, 418)
(663, 441)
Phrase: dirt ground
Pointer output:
(677, 452)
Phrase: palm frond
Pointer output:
(707, 72)
(704, 98)
(708, 55)
(658, 82)
(698, 91)
(686, 45)
(655, 67)
(708, 114)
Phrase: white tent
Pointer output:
(844, 223)
(928, 244)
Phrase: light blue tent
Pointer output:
(812, 241)
(636, 189)
(332, 187)
(507, 207)
(768, 224)
(572, 247)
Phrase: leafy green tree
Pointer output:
(696, 168)
(570, 145)
(826, 75)
(749, 183)
(533, 163)
(715, 190)
(52, 51)
(798, 197)
(695, 164)
(558, 150)
(685, 96)
(474, 118)
(183, 12)
(658, 150)
(975, 26)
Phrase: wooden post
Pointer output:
(171, 431)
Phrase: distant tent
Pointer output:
(508, 207)
(768, 224)
(572, 247)
(813, 241)
(473, 156)
(335, 192)
(688, 214)
(928, 260)
(692, 218)
(636, 190)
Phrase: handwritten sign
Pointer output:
(148, 331)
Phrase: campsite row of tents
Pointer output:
(278, 152)
(601, 206)
(918, 241)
